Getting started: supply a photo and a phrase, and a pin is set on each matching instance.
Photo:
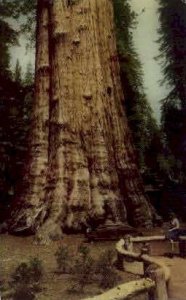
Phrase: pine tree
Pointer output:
(13, 127)
(29, 75)
(173, 49)
(13, 9)
(18, 73)
(7, 38)
(139, 112)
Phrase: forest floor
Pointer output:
(14, 250)
(55, 286)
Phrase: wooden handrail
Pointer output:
(126, 290)
(144, 258)
(143, 239)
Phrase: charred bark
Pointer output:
(82, 162)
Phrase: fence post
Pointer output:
(160, 290)
(182, 246)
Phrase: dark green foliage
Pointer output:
(22, 292)
(28, 273)
(175, 137)
(7, 39)
(107, 276)
(22, 8)
(84, 269)
(88, 271)
(36, 269)
(21, 274)
(172, 42)
(18, 73)
(29, 75)
(63, 259)
(141, 121)
(173, 49)
(16, 105)
(13, 9)
(15, 101)
(84, 272)
(26, 280)
(84, 251)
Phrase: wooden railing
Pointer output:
(160, 274)
(126, 290)
(148, 260)
(155, 280)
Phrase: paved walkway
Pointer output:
(177, 285)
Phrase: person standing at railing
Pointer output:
(174, 231)
(175, 227)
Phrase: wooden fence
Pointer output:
(155, 280)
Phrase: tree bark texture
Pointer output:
(82, 163)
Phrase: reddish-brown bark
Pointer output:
(82, 164)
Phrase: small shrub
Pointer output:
(106, 274)
(21, 274)
(106, 260)
(84, 272)
(25, 280)
(36, 269)
(1, 277)
(22, 292)
(2, 286)
(28, 273)
(63, 259)
(84, 269)
(84, 251)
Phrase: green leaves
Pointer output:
(63, 259)
(18, 73)
(14, 8)
(28, 273)
(8, 36)
(172, 42)
(172, 46)
(26, 280)
(29, 75)
(138, 110)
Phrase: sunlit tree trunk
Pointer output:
(82, 164)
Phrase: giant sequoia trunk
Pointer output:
(82, 163)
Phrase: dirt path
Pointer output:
(14, 250)
(177, 265)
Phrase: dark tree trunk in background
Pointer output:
(82, 164)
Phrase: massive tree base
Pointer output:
(82, 164)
